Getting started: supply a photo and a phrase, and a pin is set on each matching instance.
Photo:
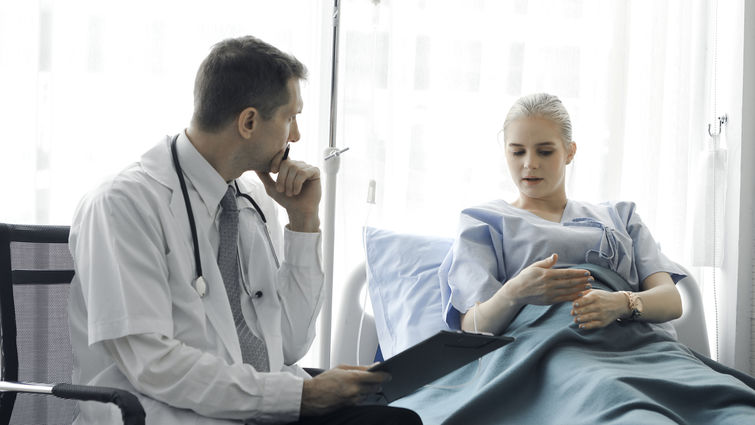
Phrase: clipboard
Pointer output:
(431, 359)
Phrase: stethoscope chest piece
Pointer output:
(200, 286)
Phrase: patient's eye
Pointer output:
(517, 153)
(546, 153)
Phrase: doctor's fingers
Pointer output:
(354, 367)
(267, 181)
(293, 175)
(275, 163)
(356, 385)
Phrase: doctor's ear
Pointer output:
(247, 121)
(572, 148)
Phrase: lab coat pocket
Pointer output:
(188, 310)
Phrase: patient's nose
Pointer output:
(530, 162)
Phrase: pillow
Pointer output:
(402, 277)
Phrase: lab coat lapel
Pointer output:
(158, 163)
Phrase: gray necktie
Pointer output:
(253, 349)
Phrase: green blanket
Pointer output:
(555, 373)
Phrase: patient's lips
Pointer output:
(532, 180)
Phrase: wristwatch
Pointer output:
(635, 305)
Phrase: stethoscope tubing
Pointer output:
(192, 222)
(189, 210)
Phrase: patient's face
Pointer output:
(537, 157)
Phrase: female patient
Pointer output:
(541, 222)
(592, 345)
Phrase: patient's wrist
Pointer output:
(507, 294)
(624, 302)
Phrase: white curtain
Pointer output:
(87, 86)
(425, 86)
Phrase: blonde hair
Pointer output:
(542, 105)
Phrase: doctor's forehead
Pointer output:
(295, 102)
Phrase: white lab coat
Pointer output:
(134, 279)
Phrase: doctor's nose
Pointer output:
(293, 132)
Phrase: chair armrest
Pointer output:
(131, 409)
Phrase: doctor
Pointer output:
(187, 291)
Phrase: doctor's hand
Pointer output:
(598, 308)
(297, 189)
(541, 284)
(339, 387)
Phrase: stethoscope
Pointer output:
(200, 285)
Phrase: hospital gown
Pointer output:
(555, 373)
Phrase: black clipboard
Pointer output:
(431, 359)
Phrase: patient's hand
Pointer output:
(598, 308)
(339, 387)
(541, 284)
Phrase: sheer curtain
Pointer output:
(425, 86)
(87, 86)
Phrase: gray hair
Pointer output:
(542, 105)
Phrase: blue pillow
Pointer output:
(402, 276)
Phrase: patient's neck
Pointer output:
(549, 208)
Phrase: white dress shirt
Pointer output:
(138, 322)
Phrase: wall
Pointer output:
(748, 170)
(737, 99)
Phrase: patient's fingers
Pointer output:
(572, 282)
(570, 273)
(598, 308)
(541, 284)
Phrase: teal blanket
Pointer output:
(555, 373)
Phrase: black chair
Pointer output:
(36, 269)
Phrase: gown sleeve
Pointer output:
(648, 258)
(473, 270)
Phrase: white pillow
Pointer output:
(402, 275)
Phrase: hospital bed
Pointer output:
(355, 347)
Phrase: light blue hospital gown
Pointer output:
(497, 240)
(555, 373)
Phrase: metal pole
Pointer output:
(334, 74)
(332, 163)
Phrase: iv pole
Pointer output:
(332, 161)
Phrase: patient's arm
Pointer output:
(537, 284)
(660, 300)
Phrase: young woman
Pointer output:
(543, 229)
(587, 295)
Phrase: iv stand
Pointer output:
(332, 162)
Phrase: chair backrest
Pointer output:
(35, 271)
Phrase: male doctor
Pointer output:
(182, 293)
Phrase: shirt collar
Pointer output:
(206, 180)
